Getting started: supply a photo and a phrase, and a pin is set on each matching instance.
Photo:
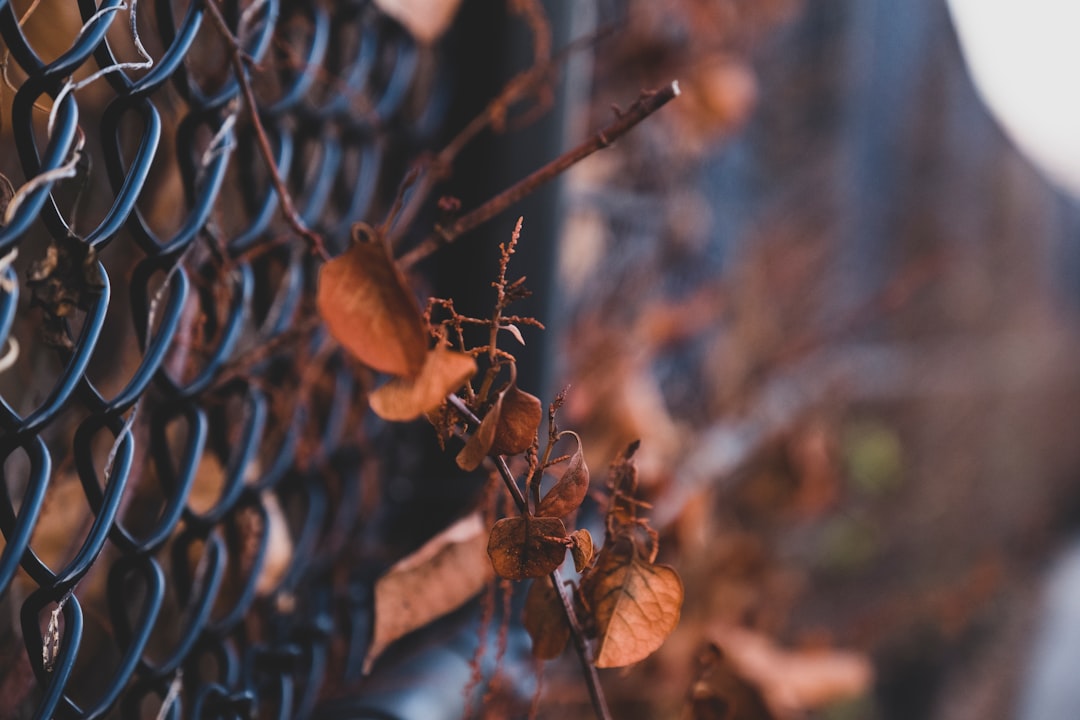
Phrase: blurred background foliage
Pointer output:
(839, 308)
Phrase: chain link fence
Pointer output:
(178, 478)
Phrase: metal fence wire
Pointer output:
(167, 404)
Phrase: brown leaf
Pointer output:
(720, 693)
(623, 482)
(545, 620)
(440, 577)
(508, 428)
(634, 605)
(622, 475)
(568, 493)
(794, 681)
(583, 548)
(402, 398)
(426, 20)
(527, 547)
(367, 306)
(722, 92)
(521, 415)
(479, 444)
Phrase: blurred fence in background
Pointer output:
(860, 254)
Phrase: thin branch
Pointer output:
(518, 88)
(399, 201)
(288, 210)
(581, 645)
(646, 105)
(521, 86)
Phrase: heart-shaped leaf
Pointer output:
(520, 416)
(367, 306)
(444, 371)
(527, 547)
(634, 605)
(479, 444)
(582, 549)
(508, 428)
(570, 490)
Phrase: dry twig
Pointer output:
(646, 105)
(581, 645)
(288, 210)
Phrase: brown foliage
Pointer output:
(570, 490)
(634, 604)
(527, 547)
(520, 416)
(452, 562)
(368, 308)
(508, 428)
(407, 398)
(480, 443)
(545, 620)
(794, 681)
(719, 692)
(583, 548)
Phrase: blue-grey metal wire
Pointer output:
(330, 138)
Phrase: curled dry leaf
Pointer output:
(367, 306)
(527, 547)
(623, 482)
(634, 606)
(794, 681)
(508, 428)
(521, 415)
(570, 490)
(402, 398)
(545, 620)
(437, 579)
(426, 20)
(582, 549)
(513, 330)
(478, 446)
(720, 693)
(279, 550)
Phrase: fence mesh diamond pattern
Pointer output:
(178, 475)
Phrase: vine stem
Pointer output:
(649, 102)
(285, 202)
(581, 645)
